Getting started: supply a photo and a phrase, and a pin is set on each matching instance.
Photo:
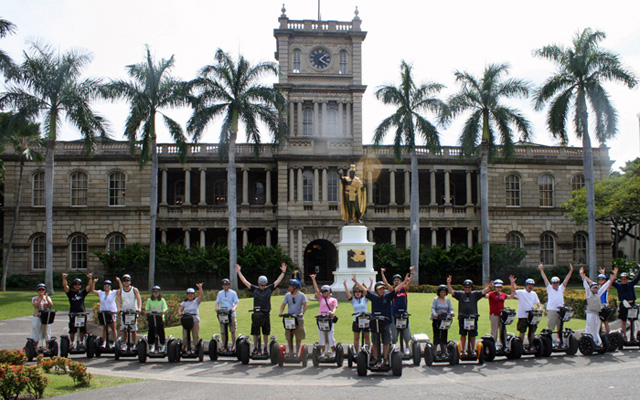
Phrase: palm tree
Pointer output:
(482, 97)
(48, 84)
(231, 89)
(24, 136)
(150, 90)
(575, 85)
(410, 100)
(6, 64)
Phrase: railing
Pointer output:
(313, 25)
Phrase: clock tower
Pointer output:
(321, 76)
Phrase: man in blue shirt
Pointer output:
(399, 305)
(227, 300)
(625, 292)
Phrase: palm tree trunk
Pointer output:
(415, 218)
(232, 208)
(16, 212)
(484, 212)
(587, 165)
(48, 202)
(153, 207)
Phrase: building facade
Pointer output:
(289, 196)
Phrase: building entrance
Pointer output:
(320, 258)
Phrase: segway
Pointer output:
(80, 346)
(125, 347)
(451, 355)
(290, 322)
(175, 346)
(620, 339)
(365, 361)
(568, 342)
(325, 323)
(616, 339)
(154, 350)
(510, 345)
(48, 348)
(536, 346)
(217, 347)
(587, 345)
(363, 319)
(100, 345)
(243, 345)
(401, 321)
(469, 323)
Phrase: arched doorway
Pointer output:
(320, 258)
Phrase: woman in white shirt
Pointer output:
(192, 305)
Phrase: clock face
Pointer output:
(320, 58)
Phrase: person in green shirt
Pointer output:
(156, 304)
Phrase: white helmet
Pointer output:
(262, 280)
(498, 282)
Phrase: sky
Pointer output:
(437, 38)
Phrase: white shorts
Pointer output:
(36, 330)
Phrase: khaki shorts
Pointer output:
(300, 333)
(553, 320)
(233, 325)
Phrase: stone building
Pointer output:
(289, 196)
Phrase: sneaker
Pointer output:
(266, 350)
(254, 352)
(163, 348)
(378, 365)
(152, 349)
(386, 363)
(407, 352)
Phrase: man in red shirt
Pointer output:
(496, 304)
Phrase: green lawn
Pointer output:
(63, 384)
(18, 304)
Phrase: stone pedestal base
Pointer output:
(355, 256)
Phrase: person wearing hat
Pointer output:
(228, 300)
(107, 303)
(399, 304)
(604, 297)
(467, 305)
(40, 302)
(381, 303)
(128, 298)
(158, 305)
(76, 295)
(192, 305)
(555, 298)
(328, 306)
(496, 299)
(441, 304)
(262, 300)
(594, 305)
(296, 303)
(626, 297)
(527, 300)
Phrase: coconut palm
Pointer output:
(576, 85)
(150, 90)
(231, 89)
(489, 120)
(411, 100)
(24, 136)
(6, 64)
(49, 85)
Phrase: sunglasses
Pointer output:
(40, 290)
(325, 291)
(468, 287)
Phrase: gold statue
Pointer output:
(354, 197)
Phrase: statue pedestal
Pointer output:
(355, 256)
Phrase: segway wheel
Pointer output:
(30, 349)
(142, 351)
(614, 342)
(64, 346)
(171, 351)
(304, 356)
(361, 362)
(621, 337)
(91, 346)
(339, 355)
(177, 350)
(243, 352)
(572, 347)
(586, 345)
(540, 347)
(281, 352)
(274, 352)
(480, 352)
(396, 363)
(53, 347)
(455, 354)
(213, 350)
(200, 350)
(97, 349)
(548, 345)
(117, 349)
(488, 349)
(315, 355)
(415, 352)
(350, 356)
(428, 354)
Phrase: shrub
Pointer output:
(14, 357)
(57, 364)
(36, 381)
(12, 381)
(78, 371)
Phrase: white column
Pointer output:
(369, 187)
(316, 185)
(291, 244)
(163, 235)
(325, 188)
(447, 188)
(203, 237)
(340, 122)
(469, 192)
(469, 237)
(268, 237)
(349, 133)
(245, 186)
(203, 187)
(370, 234)
(267, 189)
(316, 119)
(299, 199)
(407, 238)
(300, 119)
(448, 238)
(432, 184)
(245, 237)
(393, 236)
(187, 238)
(292, 185)
(407, 188)
(187, 186)
(291, 118)
(163, 195)
(392, 187)
(324, 119)
(434, 237)
(300, 260)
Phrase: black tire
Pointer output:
(64, 346)
(315, 355)
(91, 346)
(548, 345)
(586, 345)
(396, 363)
(213, 350)
(614, 342)
(171, 351)
(572, 346)
(304, 354)
(281, 351)
(116, 353)
(415, 353)
(142, 351)
(539, 344)
(361, 362)
(97, 350)
(339, 355)
(274, 352)
(53, 347)
(621, 337)
(350, 356)
(489, 349)
(428, 354)
(455, 355)
(243, 352)
(517, 348)
(30, 350)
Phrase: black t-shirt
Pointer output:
(382, 304)
(262, 298)
(76, 300)
(467, 303)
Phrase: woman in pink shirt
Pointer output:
(328, 306)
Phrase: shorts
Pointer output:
(300, 333)
(37, 330)
(73, 328)
(260, 322)
(523, 325)
(463, 332)
(232, 326)
(356, 329)
(623, 311)
(553, 320)
(386, 336)
(113, 316)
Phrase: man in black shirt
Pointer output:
(467, 306)
(76, 295)
(262, 300)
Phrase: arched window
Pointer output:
(259, 193)
(79, 189)
(307, 186)
(38, 252)
(296, 61)
(545, 186)
(515, 239)
(115, 242)
(513, 190)
(577, 182)
(178, 193)
(307, 122)
(37, 198)
(580, 245)
(547, 249)
(332, 186)
(343, 62)
(116, 189)
(220, 193)
(78, 252)
(332, 120)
